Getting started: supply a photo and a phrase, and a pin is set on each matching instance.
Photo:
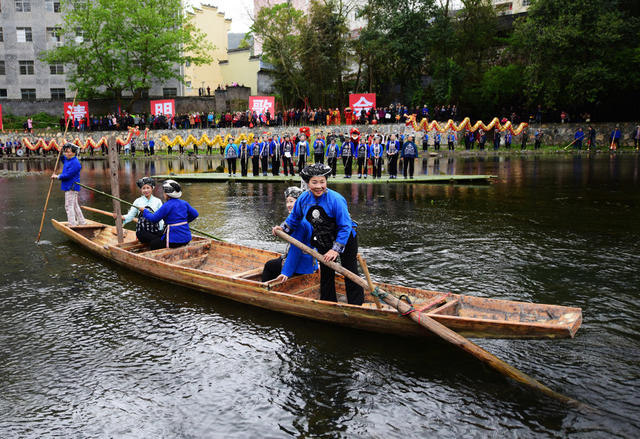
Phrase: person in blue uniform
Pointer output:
(275, 153)
(294, 261)
(578, 138)
(333, 230)
(496, 139)
(333, 152)
(68, 178)
(254, 153)
(376, 152)
(362, 153)
(264, 156)
(318, 149)
(302, 151)
(437, 138)
(507, 139)
(176, 214)
(482, 139)
(346, 152)
(243, 153)
(409, 155)
(451, 140)
(287, 148)
(393, 149)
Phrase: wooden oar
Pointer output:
(574, 141)
(439, 329)
(103, 212)
(55, 167)
(199, 232)
(365, 270)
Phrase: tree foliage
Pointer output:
(114, 46)
(579, 54)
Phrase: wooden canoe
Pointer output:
(233, 271)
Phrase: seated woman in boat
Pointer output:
(146, 231)
(294, 261)
(176, 214)
(333, 230)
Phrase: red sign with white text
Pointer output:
(262, 104)
(78, 111)
(362, 101)
(165, 106)
(1, 127)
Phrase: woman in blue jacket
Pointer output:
(176, 214)
(333, 230)
(294, 262)
(231, 153)
(69, 177)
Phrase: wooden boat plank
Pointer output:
(299, 295)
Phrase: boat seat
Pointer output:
(248, 273)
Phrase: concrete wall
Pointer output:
(221, 101)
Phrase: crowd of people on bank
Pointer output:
(295, 148)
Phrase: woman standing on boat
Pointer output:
(176, 214)
(146, 231)
(334, 232)
(294, 261)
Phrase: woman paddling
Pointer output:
(176, 214)
(146, 231)
(334, 232)
(294, 261)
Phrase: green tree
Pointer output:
(277, 28)
(114, 46)
(393, 44)
(323, 53)
(580, 55)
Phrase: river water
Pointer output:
(89, 349)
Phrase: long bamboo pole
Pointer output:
(199, 232)
(46, 203)
(440, 330)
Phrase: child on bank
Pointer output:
(69, 177)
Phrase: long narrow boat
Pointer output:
(233, 271)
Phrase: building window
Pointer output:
(169, 92)
(28, 93)
(52, 5)
(23, 5)
(53, 34)
(24, 34)
(79, 36)
(3, 92)
(56, 69)
(187, 63)
(1, 34)
(526, 2)
(2, 70)
(58, 93)
(188, 84)
(26, 67)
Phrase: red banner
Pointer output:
(362, 101)
(262, 104)
(77, 112)
(165, 106)
(1, 127)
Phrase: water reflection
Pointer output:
(97, 350)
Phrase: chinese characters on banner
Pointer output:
(1, 127)
(165, 106)
(77, 112)
(262, 104)
(362, 101)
